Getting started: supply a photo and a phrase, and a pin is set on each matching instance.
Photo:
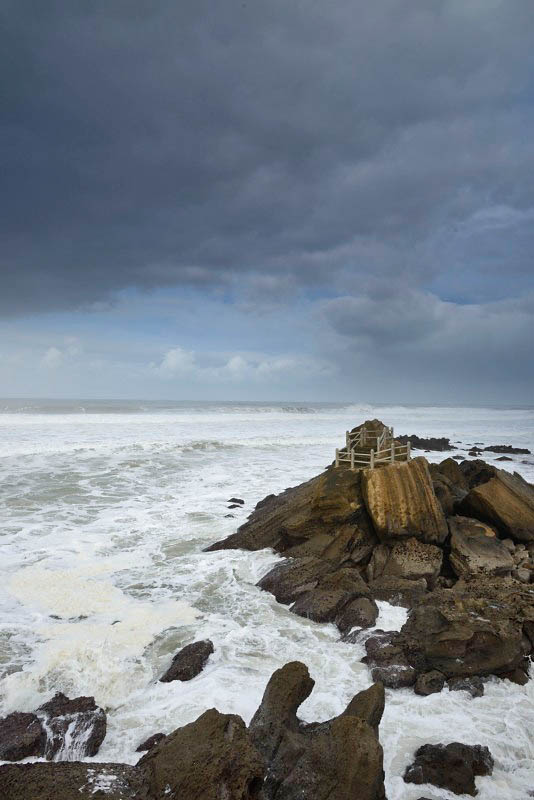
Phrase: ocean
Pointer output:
(106, 507)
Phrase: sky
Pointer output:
(328, 201)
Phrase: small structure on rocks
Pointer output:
(370, 445)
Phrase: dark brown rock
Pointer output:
(189, 662)
(368, 705)
(475, 549)
(506, 448)
(505, 501)
(432, 443)
(429, 683)
(21, 736)
(453, 766)
(75, 728)
(401, 502)
(450, 469)
(331, 595)
(474, 685)
(291, 578)
(209, 759)
(156, 738)
(398, 591)
(65, 780)
(412, 560)
(395, 676)
(359, 613)
(477, 472)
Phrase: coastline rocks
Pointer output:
(506, 501)
(475, 549)
(453, 766)
(156, 738)
(412, 559)
(506, 448)
(474, 685)
(21, 736)
(188, 662)
(208, 759)
(335, 760)
(429, 683)
(291, 578)
(75, 728)
(332, 594)
(419, 443)
(64, 780)
(360, 613)
(401, 502)
(398, 591)
(387, 661)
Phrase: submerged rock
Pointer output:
(189, 662)
(360, 613)
(453, 766)
(474, 685)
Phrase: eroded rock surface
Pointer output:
(475, 549)
(453, 766)
(21, 736)
(505, 501)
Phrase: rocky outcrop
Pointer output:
(507, 448)
(505, 501)
(336, 760)
(475, 549)
(189, 662)
(68, 780)
(209, 759)
(401, 502)
(388, 661)
(433, 443)
(293, 577)
(21, 736)
(360, 613)
(331, 595)
(453, 766)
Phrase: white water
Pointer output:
(104, 515)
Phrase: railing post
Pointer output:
(408, 450)
(393, 451)
(347, 440)
(337, 457)
(352, 459)
(372, 459)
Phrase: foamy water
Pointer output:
(105, 511)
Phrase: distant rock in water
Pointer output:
(419, 443)
(189, 662)
(453, 766)
(506, 448)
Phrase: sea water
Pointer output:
(106, 508)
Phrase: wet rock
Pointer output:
(433, 443)
(453, 766)
(429, 683)
(189, 662)
(335, 760)
(518, 675)
(286, 581)
(331, 595)
(398, 591)
(475, 549)
(21, 736)
(412, 560)
(395, 676)
(401, 502)
(75, 728)
(360, 613)
(226, 516)
(505, 501)
(236, 500)
(234, 505)
(474, 685)
(477, 472)
(150, 742)
(475, 452)
(504, 458)
(209, 759)
(65, 780)
(387, 661)
(506, 448)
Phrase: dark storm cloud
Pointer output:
(339, 146)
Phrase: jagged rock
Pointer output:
(377, 562)
(387, 661)
(21, 736)
(395, 676)
(453, 766)
(401, 502)
(189, 662)
(236, 500)
(368, 705)
(360, 613)
(433, 443)
(335, 760)
(156, 738)
(429, 683)
(506, 501)
(450, 469)
(506, 448)
(329, 506)
(75, 728)
(474, 685)
(398, 591)
(475, 549)
(477, 472)
(331, 595)
(64, 780)
(291, 578)
(412, 559)
(450, 485)
(209, 759)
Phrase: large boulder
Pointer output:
(505, 501)
(64, 780)
(359, 613)
(412, 559)
(335, 760)
(293, 577)
(401, 502)
(453, 766)
(333, 592)
(475, 549)
(209, 759)
(477, 472)
(398, 591)
(21, 736)
(75, 728)
(188, 662)
(324, 517)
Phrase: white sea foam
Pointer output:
(104, 518)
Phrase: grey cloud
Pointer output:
(214, 144)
